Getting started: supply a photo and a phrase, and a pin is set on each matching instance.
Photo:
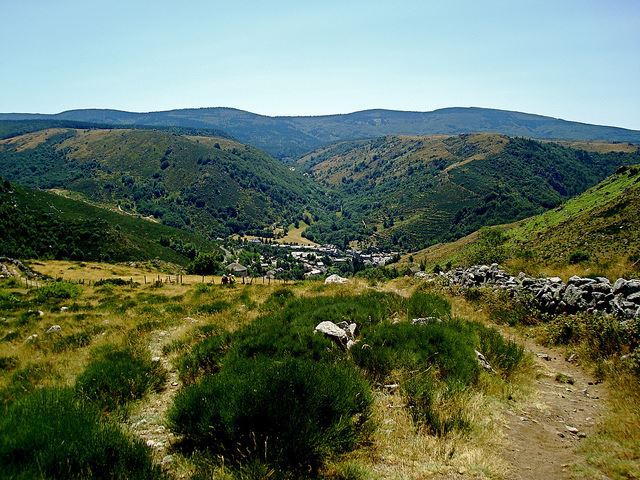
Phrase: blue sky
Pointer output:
(578, 60)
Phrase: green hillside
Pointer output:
(597, 232)
(37, 224)
(412, 192)
(211, 185)
(291, 137)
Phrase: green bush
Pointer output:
(118, 282)
(422, 304)
(49, 434)
(578, 257)
(56, 291)
(293, 414)
(26, 380)
(8, 301)
(417, 347)
(204, 358)
(117, 376)
(8, 363)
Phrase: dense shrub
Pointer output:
(578, 257)
(117, 376)
(56, 291)
(422, 304)
(204, 358)
(8, 301)
(118, 282)
(50, 434)
(418, 347)
(291, 413)
(8, 363)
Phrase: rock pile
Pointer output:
(552, 295)
(11, 267)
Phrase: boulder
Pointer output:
(335, 279)
(343, 333)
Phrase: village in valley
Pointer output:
(295, 261)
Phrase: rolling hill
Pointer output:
(37, 224)
(597, 232)
(289, 137)
(415, 191)
(212, 185)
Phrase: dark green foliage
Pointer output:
(206, 263)
(49, 434)
(422, 304)
(38, 224)
(116, 282)
(489, 180)
(602, 335)
(8, 363)
(8, 300)
(185, 183)
(438, 346)
(204, 358)
(56, 291)
(26, 380)
(117, 376)
(579, 256)
(293, 414)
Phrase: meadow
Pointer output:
(203, 380)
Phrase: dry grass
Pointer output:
(224, 143)
(29, 141)
(614, 450)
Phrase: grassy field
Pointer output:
(113, 331)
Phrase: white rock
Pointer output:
(335, 279)
(54, 328)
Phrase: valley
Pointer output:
(208, 310)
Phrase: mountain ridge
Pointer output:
(288, 137)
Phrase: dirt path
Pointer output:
(544, 430)
(147, 421)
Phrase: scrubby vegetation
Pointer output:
(117, 376)
(51, 434)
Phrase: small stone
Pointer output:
(582, 435)
(64, 309)
(174, 384)
(544, 356)
(570, 429)
(54, 328)
(462, 470)
(155, 359)
(32, 338)
(167, 459)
